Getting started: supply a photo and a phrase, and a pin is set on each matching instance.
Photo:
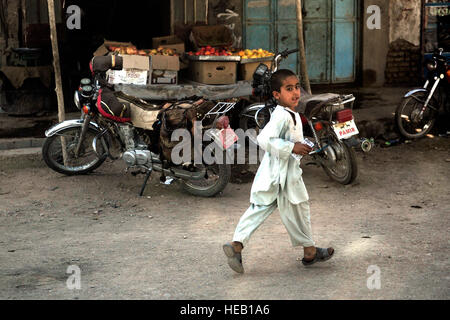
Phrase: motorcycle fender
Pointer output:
(412, 92)
(256, 107)
(69, 124)
(351, 142)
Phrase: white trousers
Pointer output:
(295, 217)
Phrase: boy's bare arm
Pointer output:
(301, 149)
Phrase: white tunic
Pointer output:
(279, 170)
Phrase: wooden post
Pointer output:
(56, 63)
(57, 69)
(301, 47)
(206, 12)
(24, 39)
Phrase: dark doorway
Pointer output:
(133, 21)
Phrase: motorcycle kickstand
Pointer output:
(147, 176)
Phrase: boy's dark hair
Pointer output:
(276, 81)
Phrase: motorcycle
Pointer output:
(327, 120)
(79, 146)
(416, 114)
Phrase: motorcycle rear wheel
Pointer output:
(345, 170)
(217, 178)
(407, 118)
(86, 162)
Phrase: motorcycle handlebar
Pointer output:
(286, 52)
(280, 56)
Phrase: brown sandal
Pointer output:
(321, 255)
(234, 258)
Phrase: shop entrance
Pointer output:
(115, 20)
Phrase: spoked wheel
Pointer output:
(86, 161)
(216, 179)
(339, 161)
(410, 120)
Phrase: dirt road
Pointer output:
(394, 221)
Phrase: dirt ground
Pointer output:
(167, 245)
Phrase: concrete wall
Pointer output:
(190, 12)
(405, 20)
(375, 45)
(400, 20)
(220, 15)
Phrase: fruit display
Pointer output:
(162, 51)
(124, 50)
(253, 54)
(132, 50)
(211, 51)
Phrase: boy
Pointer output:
(278, 181)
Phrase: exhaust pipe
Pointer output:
(366, 145)
(363, 144)
(179, 173)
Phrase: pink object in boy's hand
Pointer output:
(223, 122)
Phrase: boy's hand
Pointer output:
(301, 149)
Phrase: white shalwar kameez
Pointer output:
(278, 182)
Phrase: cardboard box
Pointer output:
(159, 62)
(103, 50)
(164, 69)
(135, 71)
(143, 70)
(128, 76)
(172, 42)
(246, 70)
(213, 72)
(136, 62)
(163, 77)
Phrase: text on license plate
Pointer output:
(346, 130)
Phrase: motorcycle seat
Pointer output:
(308, 102)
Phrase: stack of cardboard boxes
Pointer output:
(152, 67)
(145, 69)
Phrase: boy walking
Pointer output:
(278, 181)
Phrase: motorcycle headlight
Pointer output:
(431, 65)
(76, 99)
(260, 73)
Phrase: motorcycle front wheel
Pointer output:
(86, 161)
(339, 161)
(409, 121)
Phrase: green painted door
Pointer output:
(330, 32)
